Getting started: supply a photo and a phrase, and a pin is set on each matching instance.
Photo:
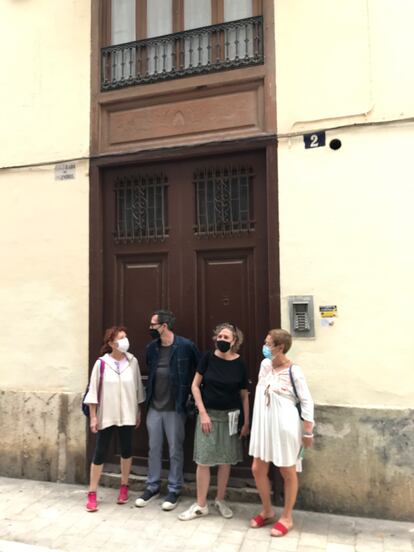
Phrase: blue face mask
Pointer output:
(267, 352)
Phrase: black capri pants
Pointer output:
(104, 436)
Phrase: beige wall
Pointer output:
(345, 234)
(44, 113)
(343, 62)
(44, 80)
(346, 228)
(45, 288)
(45, 106)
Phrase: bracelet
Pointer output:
(308, 435)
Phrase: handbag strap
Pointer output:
(293, 383)
(101, 374)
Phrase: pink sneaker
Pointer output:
(91, 505)
(123, 494)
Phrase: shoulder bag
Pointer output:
(298, 405)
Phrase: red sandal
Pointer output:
(283, 530)
(260, 521)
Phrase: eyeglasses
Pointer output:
(152, 326)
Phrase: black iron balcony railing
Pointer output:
(203, 50)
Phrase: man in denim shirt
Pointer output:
(171, 361)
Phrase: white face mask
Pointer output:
(123, 345)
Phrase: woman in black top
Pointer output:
(220, 392)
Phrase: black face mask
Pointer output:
(154, 333)
(223, 346)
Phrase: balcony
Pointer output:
(204, 50)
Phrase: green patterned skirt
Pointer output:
(217, 447)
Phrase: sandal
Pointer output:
(283, 530)
(260, 521)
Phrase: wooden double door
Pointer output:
(190, 236)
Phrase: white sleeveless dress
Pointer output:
(276, 434)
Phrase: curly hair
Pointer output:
(237, 334)
(110, 335)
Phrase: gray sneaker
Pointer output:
(223, 509)
(146, 498)
(194, 511)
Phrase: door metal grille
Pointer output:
(223, 201)
(141, 208)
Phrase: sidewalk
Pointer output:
(52, 516)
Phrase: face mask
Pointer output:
(123, 345)
(267, 352)
(223, 346)
(154, 333)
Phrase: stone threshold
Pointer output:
(238, 490)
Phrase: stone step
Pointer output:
(239, 490)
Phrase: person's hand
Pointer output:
(206, 425)
(93, 424)
(245, 430)
(138, 422)
(307, 440)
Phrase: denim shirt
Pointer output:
(183, 362)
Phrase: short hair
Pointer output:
(281, 337)
(110, 335)
(237, 334)
(165, 317)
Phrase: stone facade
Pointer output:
(362, 463)
(43, 436)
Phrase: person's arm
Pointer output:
(307, 405)
(245, 404)
(138, 418)
(148, 384)
(91, 398)
(205, 421)
(140, 391)
(195, 359)
(93, 420)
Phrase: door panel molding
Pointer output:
(229, 302)
(141, 281)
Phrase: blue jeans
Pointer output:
(173, 425)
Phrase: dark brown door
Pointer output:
(189, 236)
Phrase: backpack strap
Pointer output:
(293, 383)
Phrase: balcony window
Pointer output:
(164, 39)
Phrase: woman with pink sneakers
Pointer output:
(114, 395)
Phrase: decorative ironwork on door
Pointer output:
(141, 208)
(223, 201)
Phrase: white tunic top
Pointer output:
(121, 393)
(276, 434)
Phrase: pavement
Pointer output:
(39, 516)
